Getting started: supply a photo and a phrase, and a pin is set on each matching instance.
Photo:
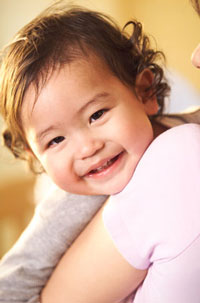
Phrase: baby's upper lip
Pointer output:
(98, 164)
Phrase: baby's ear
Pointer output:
(145, 91)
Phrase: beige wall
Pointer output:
(174, 25)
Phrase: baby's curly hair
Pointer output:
(58, 36)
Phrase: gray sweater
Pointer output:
(57, 221)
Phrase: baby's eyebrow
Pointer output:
(95, 99)
(45, 131)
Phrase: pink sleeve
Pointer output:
(157, 215)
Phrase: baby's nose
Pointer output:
(90, 148)
(87, 145)
(196, 57)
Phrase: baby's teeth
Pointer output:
(100, 168)
(104, 166)
(109, 162)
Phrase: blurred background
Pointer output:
(175, 27)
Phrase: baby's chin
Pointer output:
(96, 192)
(104, 191)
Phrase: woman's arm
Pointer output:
(92, 270)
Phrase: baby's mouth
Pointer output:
(104, 166)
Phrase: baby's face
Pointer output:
(87, 128)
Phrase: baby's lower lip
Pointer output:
(101, 171)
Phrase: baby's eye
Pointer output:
(56, 140)
(97, 115)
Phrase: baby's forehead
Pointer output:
(81, 70)
(87, 59)
(52, 65)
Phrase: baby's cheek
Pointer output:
(61, 175)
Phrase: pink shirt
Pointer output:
(155, 221)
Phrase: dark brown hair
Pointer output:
(59, 36)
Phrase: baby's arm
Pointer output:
(92, 270)
(57, 222)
